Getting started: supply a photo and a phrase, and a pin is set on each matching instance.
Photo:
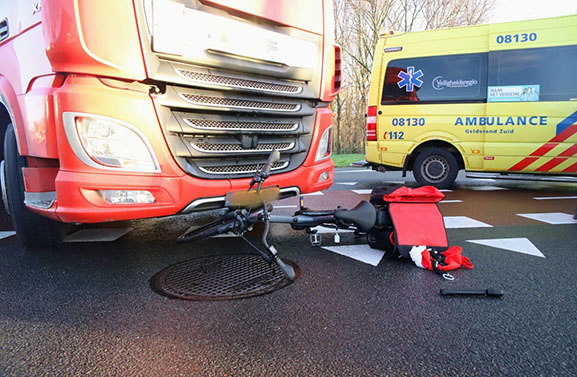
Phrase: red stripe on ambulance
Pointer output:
(547, 147)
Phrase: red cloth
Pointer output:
(425, 194)
(453, 259)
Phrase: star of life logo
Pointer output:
(410, 79)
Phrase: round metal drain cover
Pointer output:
(220, 277)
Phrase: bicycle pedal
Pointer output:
(315, 239)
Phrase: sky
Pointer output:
(517, 10)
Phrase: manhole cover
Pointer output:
(220, 277)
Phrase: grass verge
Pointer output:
(344, 160)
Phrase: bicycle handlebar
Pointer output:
(212, 229)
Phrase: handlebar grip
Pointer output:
(273, 157)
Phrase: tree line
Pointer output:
(359, 24)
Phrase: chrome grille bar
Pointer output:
(240, 103)
(239, 83)
(203, 124)
(239, 169)
(237, 148)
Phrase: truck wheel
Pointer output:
(435, 167)
(33, 230)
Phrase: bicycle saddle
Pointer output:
(363, 215)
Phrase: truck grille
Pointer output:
(239, 83)
(240, 103)
(237, 148)
(215, 131)
(203, 124)
(240, 169)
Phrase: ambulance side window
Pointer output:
(436, 79)
(550, 72)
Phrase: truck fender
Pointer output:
(9, 100)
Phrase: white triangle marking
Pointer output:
(362, 253)
(324, 230)
(554, 197)
(454, 222)
(486, 188)
(6, 234)
(554, 218)
(355, 171)
(318, 193)
(362, 192)
(346, 183)
(519, 245)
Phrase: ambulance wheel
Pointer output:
(33, 230)
(435, 167)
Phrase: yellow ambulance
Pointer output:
(496, 98)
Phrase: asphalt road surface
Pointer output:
(86, 308)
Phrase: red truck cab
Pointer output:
(124, 109)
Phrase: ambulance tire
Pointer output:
(435, 167)
(33, 230)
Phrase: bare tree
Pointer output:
(359, 24)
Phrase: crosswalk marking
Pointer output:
(6, 234)
(362, 192)
(454, 222)
(554, 218)
(519, 245)
(355, 171)
(323, 230)
(318, 193)
(486, 188)
(554, 197)
(362, 253)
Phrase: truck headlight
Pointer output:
(108, 143)
(324, 149)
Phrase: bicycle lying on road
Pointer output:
(400, 221)
(247, 208)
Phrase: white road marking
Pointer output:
(519, 245)
(362, 253)
(6, 234)
(355, 171)
(486, 188)
(445, 190)
(554, 218)
(346, 183)
(97, 235)
(451, 201)
(280, 207)
(454, 222)
(318, 193)
(362, 192)
(554, 197)
(323, 230)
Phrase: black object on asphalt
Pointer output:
(491, 292)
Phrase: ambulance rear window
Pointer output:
(436, 79)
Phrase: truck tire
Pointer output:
(33, 230)
(435, 167)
